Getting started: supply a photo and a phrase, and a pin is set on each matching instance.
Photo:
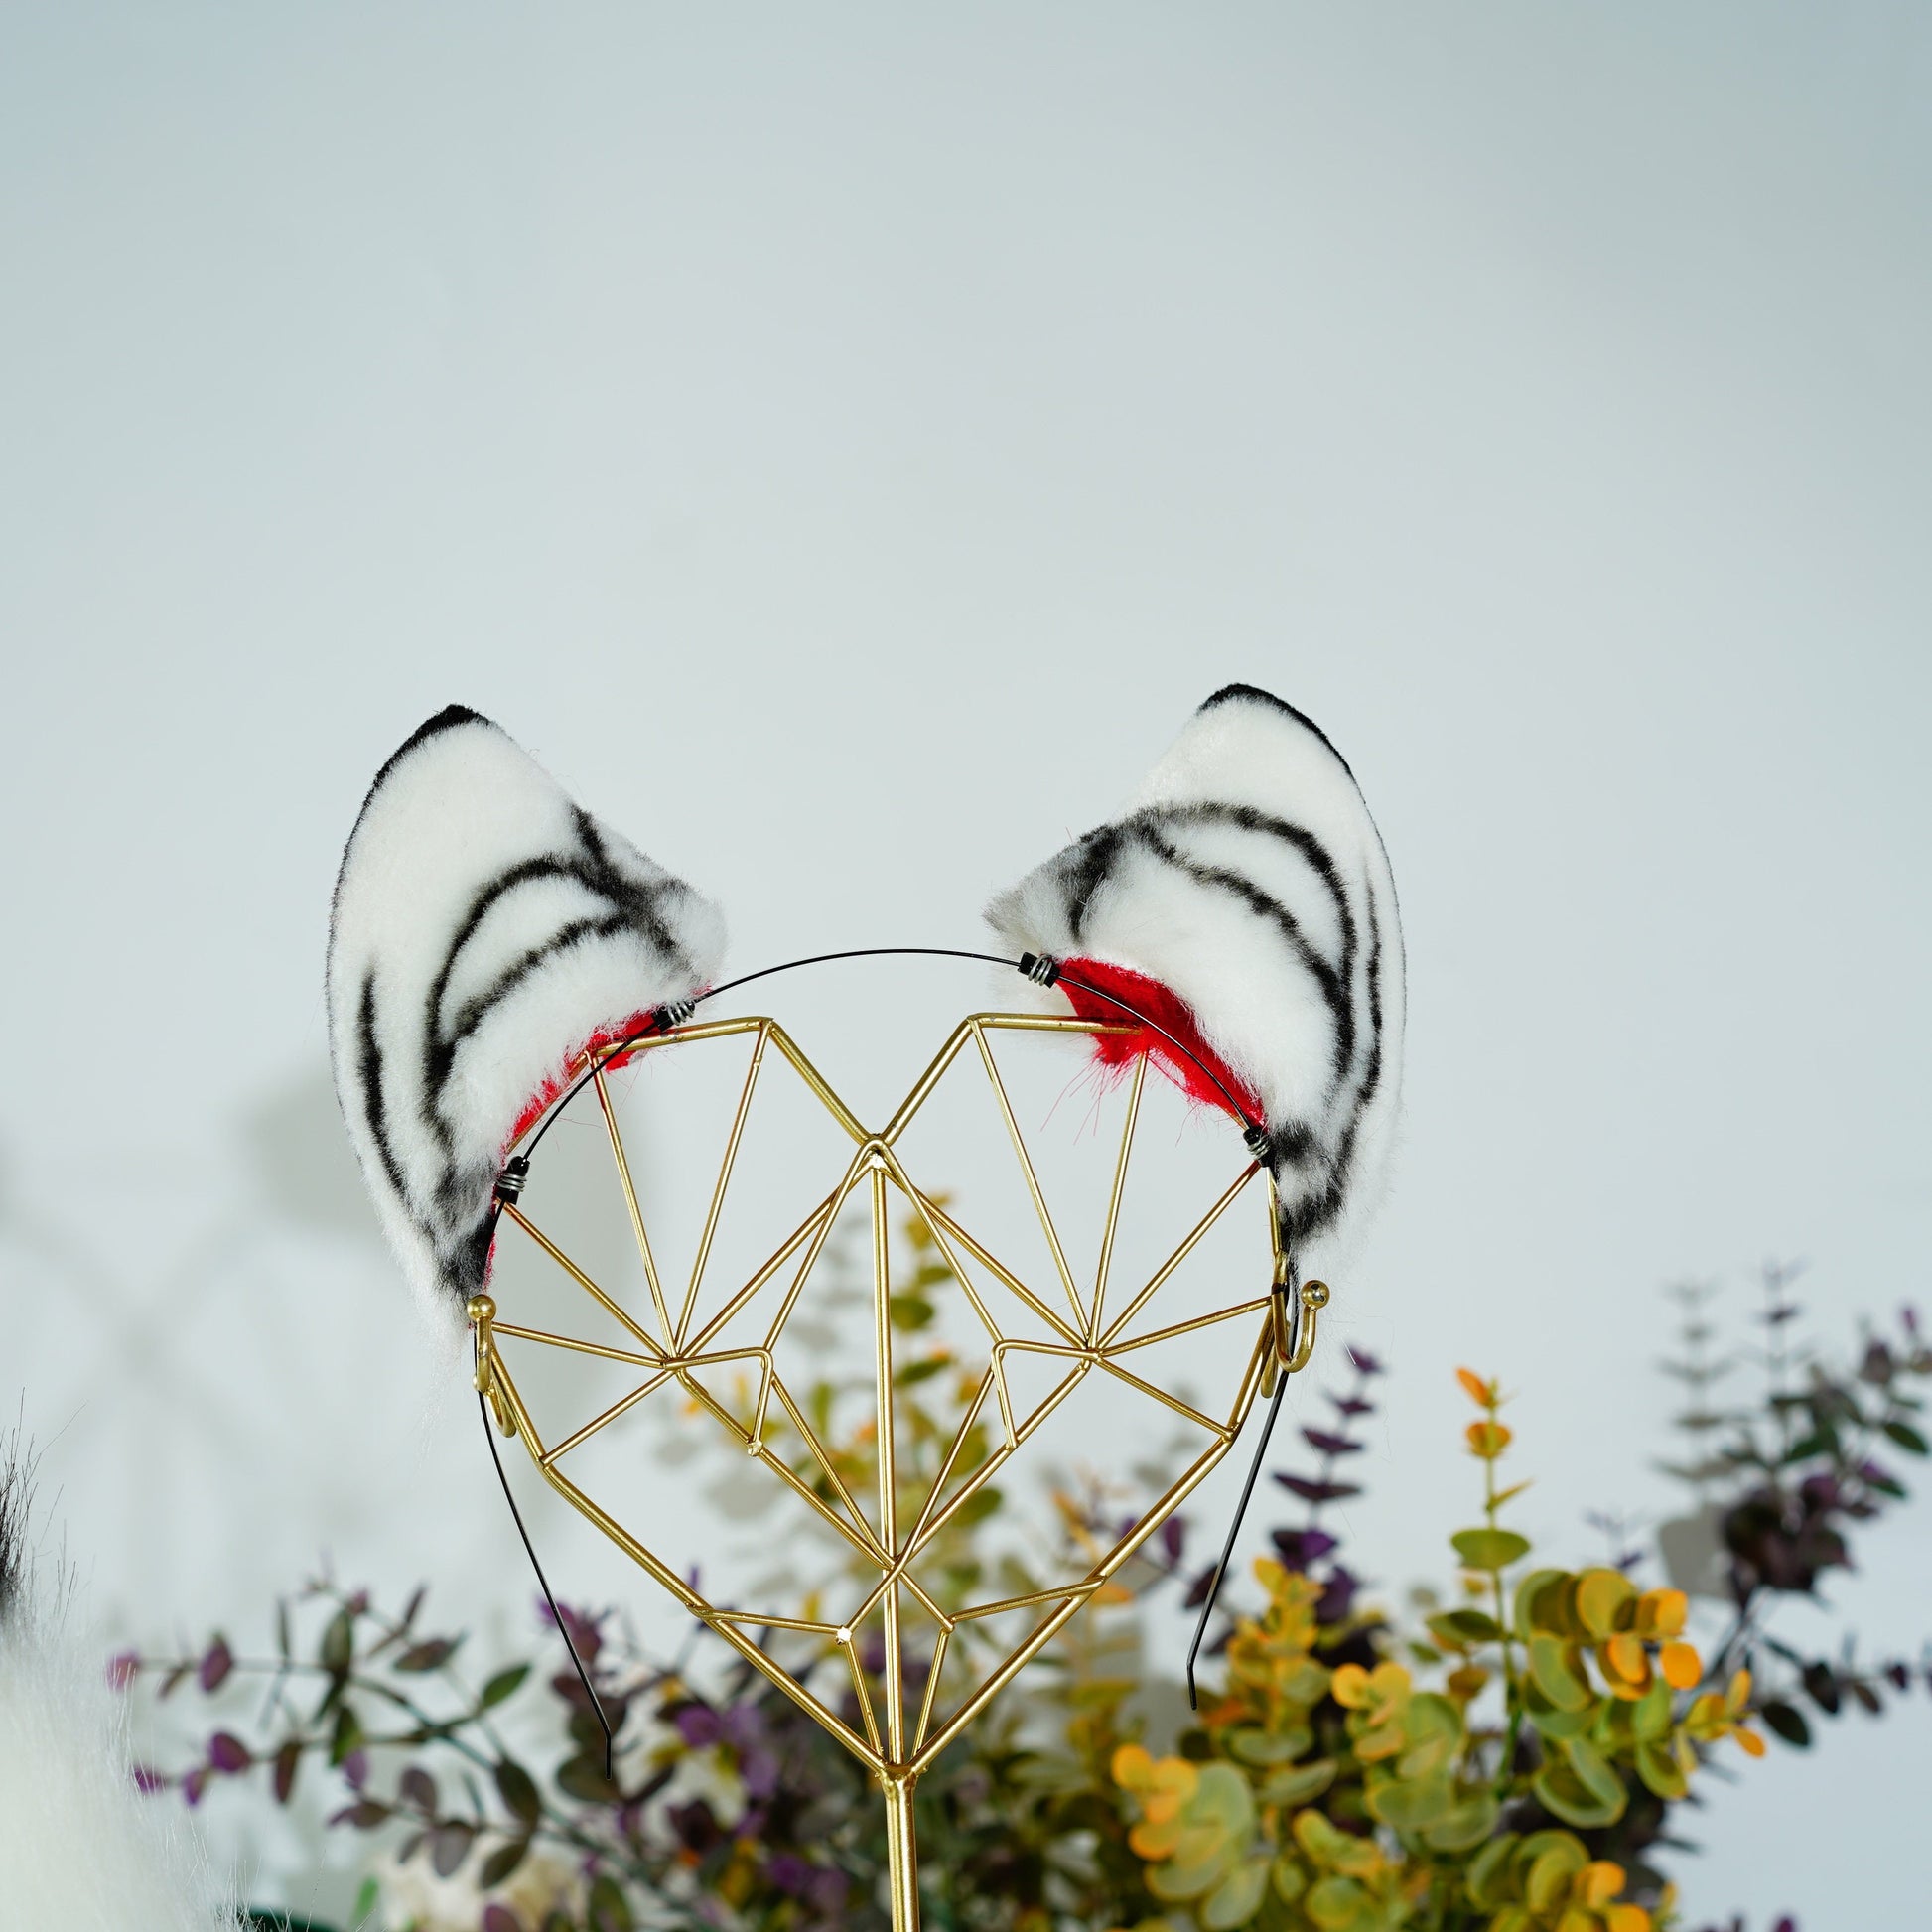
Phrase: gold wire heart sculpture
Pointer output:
(897, 1741)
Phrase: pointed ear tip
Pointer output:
(1254, 695)
(448, 719)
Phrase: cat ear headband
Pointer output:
(1236, 925)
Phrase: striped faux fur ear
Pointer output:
(1243, 902)
(486, 930)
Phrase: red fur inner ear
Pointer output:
(539, 1102)
(1168, 1011)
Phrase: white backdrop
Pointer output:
(760, 410)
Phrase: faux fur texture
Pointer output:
(1247, 878)
(80, 1849)
(484, 929)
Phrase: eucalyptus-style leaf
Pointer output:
(347, 1737)
(1539, 1603)
(1292, 1785)
(518, 1791)
(505, 1684)
(1557, 1667)
(449, 1845)
(1604, 1601)
(1411, 1805)
(1173, 1884)
(431, 1654)
(1663, 1778)
(1460, 1629)
(609, 1911)
(338, 1650)
(1492, 1879)
(1237, 1898)
(1465, 1825)
(1489, 1548)
(503, 1863)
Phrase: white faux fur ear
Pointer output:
(486, 930)
(1243, 902)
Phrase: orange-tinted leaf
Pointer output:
(1349, 1687)
(1476, 1388)
(1623, 1656)
(1597, 1883)
(1662, 1612)
(1681, 1664)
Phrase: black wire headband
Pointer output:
(1042, 971)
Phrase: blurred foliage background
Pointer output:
(1516, 1744)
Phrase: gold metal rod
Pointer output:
(887, 1405)
(814, 1079)
(933, 1220)
(1028, 1601)
(582, 1280)
(686, 1035)
(899, 1573)
(952, 1456)
(1227, 1313)
(926, 1602)
(859, 1534)
(1047, 1023)
(1026, 1023)
(909, 1188)
(863, 1690)
(610, 1415)
(724, 1182)
(931, 1688)
(577, 1347)
(937, 1218)
(839, 1195)
(1033, 1180)
(902, 1851)
(993, 1464)
(1190, 1242)
(820, 1455)
(923, 1086)
(1173, 1402)
(1114, 1199)
(793, 1241)
(630, 1201)
(759, 1622)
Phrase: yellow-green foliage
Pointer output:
(1320, 1797)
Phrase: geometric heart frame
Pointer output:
(668, 1349)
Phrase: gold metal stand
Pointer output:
(896, 1741)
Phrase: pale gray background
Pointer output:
(762, 409)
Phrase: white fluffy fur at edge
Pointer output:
(81, 1848)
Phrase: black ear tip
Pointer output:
(448, 719)
(1253, 694)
